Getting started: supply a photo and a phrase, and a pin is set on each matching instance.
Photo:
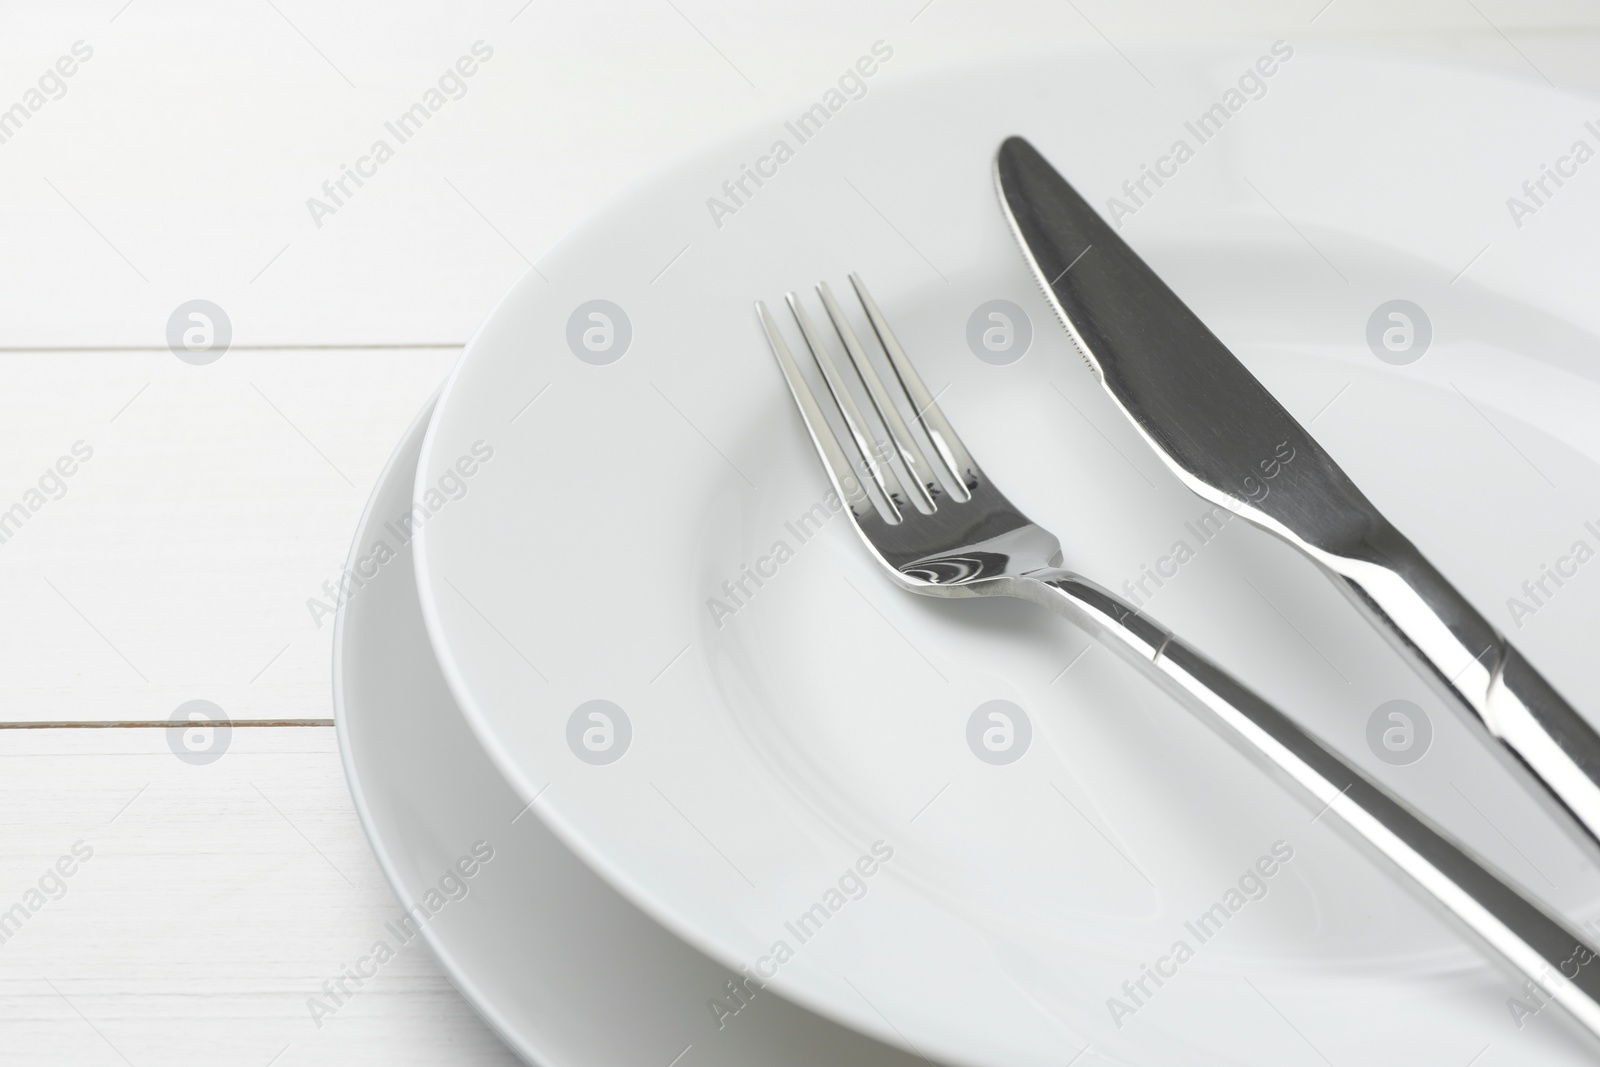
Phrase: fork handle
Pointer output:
(1516, 930)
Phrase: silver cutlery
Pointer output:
(1219, 430)
(938, 526)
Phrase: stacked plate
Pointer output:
(670, 774)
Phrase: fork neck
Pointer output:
(1096, 609)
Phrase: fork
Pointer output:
(944, 529)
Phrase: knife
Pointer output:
(1225, 437)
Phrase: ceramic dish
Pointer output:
(564, 968)
(674, 648)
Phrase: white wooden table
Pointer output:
(177, 561)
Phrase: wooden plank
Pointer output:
(215, 900)
(176, 562)
(224, 123)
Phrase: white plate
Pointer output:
(769, 751)
(568, 972)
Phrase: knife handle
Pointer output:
(1547, 744)
(1515, 929)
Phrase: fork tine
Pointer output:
(923, 480)
(882, 473)
(957, 460)
(840, 471)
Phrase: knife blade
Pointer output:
(1228, 439)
